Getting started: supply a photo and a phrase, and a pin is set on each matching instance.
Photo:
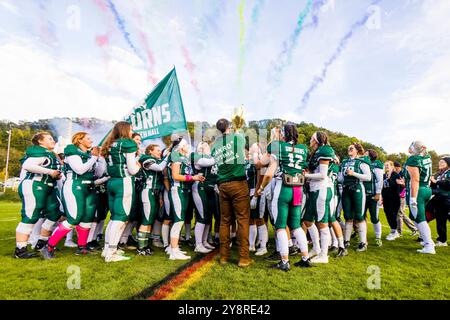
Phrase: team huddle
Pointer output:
(300, 191)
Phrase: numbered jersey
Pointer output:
(73, 150)
(210, 173)
(370, 186)
(117, 161)
(51, 162)
(323, 153)
(185, 169)
(425, 166)
(150, 179)
(354, 165)
(292, 159)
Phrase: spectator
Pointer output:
(441, 200)
(391, 198)
(402, 217)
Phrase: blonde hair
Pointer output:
(77, 137)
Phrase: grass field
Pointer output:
(404, 274)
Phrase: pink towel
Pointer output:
(403, 193)
(297, 195)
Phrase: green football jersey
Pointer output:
(150, 179)
(252, 174)
(322, 153)
(425, 166)
(370, 186)
(51, 162)
(443, 177)
(210, 173)
(185, 169)
(117, 162)
(291, 159)
(229, 153)
(354, 165)
(73, 150)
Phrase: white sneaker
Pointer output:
(208, 246)
(427, 250)
(169, 250)
(422, 243)
(261, 252)
(312, 253)
(392, 236)
(178, 255)
(321, 258)
(116, 258)
(441, 244)
(252, 249)
(158, 244)
(201, 249)
(70, 244)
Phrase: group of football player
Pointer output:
(300, 191)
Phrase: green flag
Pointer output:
(161, 113)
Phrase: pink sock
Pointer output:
(60, 232)
(83, 234)
(297, 196)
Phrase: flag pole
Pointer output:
(7, 159)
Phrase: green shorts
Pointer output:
(120, 197)
(150, 206)
(319, 206)
(354, 202)
(284, 213)
(423, 198)
(79, 200)
(179, 203)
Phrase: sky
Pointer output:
(376, 70)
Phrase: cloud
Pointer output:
(10, 7)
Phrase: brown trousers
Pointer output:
(234, 199)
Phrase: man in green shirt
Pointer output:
(229, 154)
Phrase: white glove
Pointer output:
(268, 193)
(253, 203)
(216, 188)
(413, 206)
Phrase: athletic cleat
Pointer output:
(158, 243)
(362, 247)
(342, 252)
(70, 244)
(47, 253)
(293, 250)
(178, 255)
(40, 244)
(201, 249)
(275, 256)
(333, 249)
(378, 242)
(82, 251)
(304, 263)
(24, 254)
(116, 258)
(419, 239)
(245, 263)
(427, 250)
(441, 244)
(131, 244)
(282, 266)
(94, 245)
(168, 250)
(144, 252)
(312, 253)
(347, 244)
(208, 246)
(392, 236)
(261, 252)
(216, 242)
(321, 258)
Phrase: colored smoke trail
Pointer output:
(47, 28)
(336, 54)
(122, 28)
(256, 12)
(190, 67)
(318, 4)
(241, 40)
(285, 56)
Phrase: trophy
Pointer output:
(237, 119)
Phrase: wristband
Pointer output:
(188, 178)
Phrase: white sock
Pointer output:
(99, 228)
(115, 233)
(377, 230)
(156, 232)
(165, 234)
(175, 231)
(69, 236)
(187, 229)
(324, 240)
(233, 235)
(21, 245)
(277, 244)
(348, 231)
(252, 235)
(362, 230)
(334, 242)
(301, 240)
(425, 232)
(92, 232)
(315, 237)
(127, 232)
(263, 235)
(34, 236)
(107, 231)
(342, 224)
(290, 243)
(341, 242)
(199, 229)
(206, 232)
(283, 242)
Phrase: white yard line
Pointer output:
(5, 239)
(9, 219)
